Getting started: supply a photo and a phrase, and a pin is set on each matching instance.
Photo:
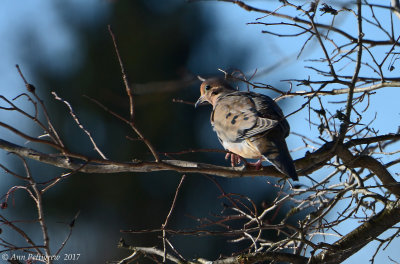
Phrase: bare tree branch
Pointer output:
(361, 236)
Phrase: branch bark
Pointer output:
(363, 161)
(306, 165)
(241, 259)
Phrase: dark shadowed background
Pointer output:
(64, 46)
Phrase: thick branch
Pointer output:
(242, 259)
(261, 257)
(107, 166)
(373, 165)
(148, 251)
(306, 165)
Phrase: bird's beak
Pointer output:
(200, 101)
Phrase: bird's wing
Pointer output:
(269, 109)
(240, 115)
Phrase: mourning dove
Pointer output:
(248, 124)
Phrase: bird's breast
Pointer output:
(242, 148)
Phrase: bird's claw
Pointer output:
(235, 159)
(256, 165)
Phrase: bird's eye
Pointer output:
(207, 87)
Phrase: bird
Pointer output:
(248, 124)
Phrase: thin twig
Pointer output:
(128, 89)
(163, 226)
(32, 90)
(124, 77)
(76, 119)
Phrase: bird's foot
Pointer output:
(235, 159)
(256, 165)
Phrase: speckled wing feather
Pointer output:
(267, 108)
(240, 115)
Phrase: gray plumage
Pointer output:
(249, 124)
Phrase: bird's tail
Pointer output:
(278, 154)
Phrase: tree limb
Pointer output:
(306, 165)
(241, 259)
(373, 165)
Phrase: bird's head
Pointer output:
(211, 89)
